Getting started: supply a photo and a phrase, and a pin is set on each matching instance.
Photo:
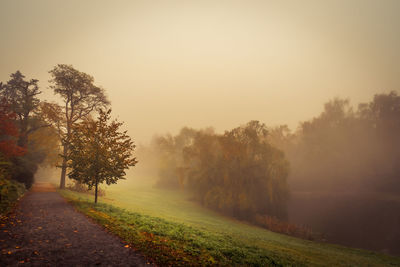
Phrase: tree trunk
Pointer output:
(95, 192)
(23, 129)
(64, 167)
(23, 140)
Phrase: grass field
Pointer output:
(172, 230)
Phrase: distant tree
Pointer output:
(99, 152)
(239, 173)
(170, 158)
(381, 120)
(81, 97)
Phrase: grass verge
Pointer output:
(177, 244)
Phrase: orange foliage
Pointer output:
(9, 133)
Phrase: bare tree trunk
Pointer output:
(64, 167)
(95, 192)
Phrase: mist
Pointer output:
(281, 115)
(204, 64)
(343, 171)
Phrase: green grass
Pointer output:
(168, 228)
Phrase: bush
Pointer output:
(10, 192)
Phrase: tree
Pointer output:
(81, 97)
(9, 133)
(8, 139)
(239, 173)
(99, 152)
(22, 98)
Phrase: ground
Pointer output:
(44, 230)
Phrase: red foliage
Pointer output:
(9, 133)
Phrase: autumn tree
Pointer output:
(9, 133)
(22, 97)
(99, 152)
(8, 139)
(81, 97)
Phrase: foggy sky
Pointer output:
(167, 64)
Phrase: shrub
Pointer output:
(10, 192)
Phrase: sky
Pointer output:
(168, 64)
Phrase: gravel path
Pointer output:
(45, 230)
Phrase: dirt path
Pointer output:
(44, 230)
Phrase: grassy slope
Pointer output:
(193, 234)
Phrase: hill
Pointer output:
(169, 228)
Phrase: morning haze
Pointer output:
(209, 63)
(213, 132)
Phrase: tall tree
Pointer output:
(99, 152)
(21, 95)
(81, 97)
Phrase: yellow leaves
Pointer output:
(100, 214)
(211, 260)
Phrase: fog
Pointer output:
(165, 65)
(206, 63)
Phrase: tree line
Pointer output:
(249, 171)
(35, 131)
(346, 148)
(239, 173)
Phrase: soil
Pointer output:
(44, 230)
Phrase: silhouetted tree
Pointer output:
(81, 97)
(21, 95)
